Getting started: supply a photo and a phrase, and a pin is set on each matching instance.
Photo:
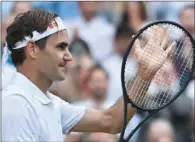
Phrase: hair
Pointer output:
(97, 66)
(125, 17)
(23, 25)
(124, 30)
(79, 44)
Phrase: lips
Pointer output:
(62, 64)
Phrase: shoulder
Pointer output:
(19, 118)
(17, 107)
(16, 102)
(57, 101)
(12, 95)
(54, 97)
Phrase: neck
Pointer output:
(88, 17)
(42, 82)
(99, 100)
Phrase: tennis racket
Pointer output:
(164, 52)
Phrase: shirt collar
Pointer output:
(31, 88)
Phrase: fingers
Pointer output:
(157, 35)
(170, 48)
(151, 33)
(138, 49)
(165, 39)
(137, 44)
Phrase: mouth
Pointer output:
(63, 65)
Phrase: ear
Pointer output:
(31, 49)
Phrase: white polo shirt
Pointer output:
(30, 115)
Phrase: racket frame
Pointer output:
(125, 96)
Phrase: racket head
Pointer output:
(127, 98)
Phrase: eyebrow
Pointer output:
(62, 43)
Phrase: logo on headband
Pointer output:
(52, 25)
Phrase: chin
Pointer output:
(62, 77)
(59, 78)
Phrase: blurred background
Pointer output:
(99, 34)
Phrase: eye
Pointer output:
(62, 46)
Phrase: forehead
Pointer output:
(58, 37)
(98, 73)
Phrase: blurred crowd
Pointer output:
(99, 34)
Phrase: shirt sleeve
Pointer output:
(17, 120)
(70, 116)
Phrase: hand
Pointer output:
(152, 56)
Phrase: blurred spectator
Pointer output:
(21, 7)
(181, 111)
(186, 16)
(134, 15)
(93, 29)
(85, 65)
(98, 84)
(66, 9)
(6, 8)
(8, 69)
(161, 130)
(189, 91)
(113, 62)
(166, 10)
(78, 48)
(113, 65)
(111, 11)
(5, 23)
(192, 125)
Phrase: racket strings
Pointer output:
(169, 95)
(138, 90)
(165, 97)
(163, 93)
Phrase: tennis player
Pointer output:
(38, 42)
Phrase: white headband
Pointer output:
(56, 26)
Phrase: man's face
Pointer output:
(5, 23)
(187, 19)
(98, 83)
(52, 61)
(88, 9)
(21, 7)
(160, 131)
(121, 45)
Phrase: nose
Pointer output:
(67, 55)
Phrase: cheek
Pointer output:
(105, 86)
(48, 63)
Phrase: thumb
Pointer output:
(170, 48)
(137, 48)
(137, 44)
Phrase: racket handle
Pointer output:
(140, 124)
